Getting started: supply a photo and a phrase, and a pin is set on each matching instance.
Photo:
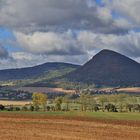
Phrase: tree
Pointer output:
(10, 108)
(83, 101)
(39, 99)
(17, 108)
(66, 101)
(36, 108)
(137, 107)
(102, 100)
(118, 100)
(96, 108)
(87, 101)
(121, 100)
(129, 107)
(48, 108)
(24, 108)
(52, 108)
(113, 98)
(92, 103)
(2, 107)
(31, 108)
(132, 100)
(111, 108)
(58, 102)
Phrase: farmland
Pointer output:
(130, 90)
(61, 126)
(15, 103)
(46, 90)
(87, 117)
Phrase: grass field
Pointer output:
(68, 126)
(96, 115)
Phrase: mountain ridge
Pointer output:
(34, 71)
(108, 68)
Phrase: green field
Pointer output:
(96, 115)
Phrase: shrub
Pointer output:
(111, 108)
(10, 108)
(96, 108)
(48, 108)
(36, 108)
(2, 107)
(24, 108)
(17, 108)
(32, 108)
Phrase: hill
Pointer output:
(108, 68)
(36, 71)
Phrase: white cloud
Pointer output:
(83, 42)
(127, 9)
(64, 47)
(31, 15)
(49, 43)
(25, 59)
(128, 44)
(68, 30)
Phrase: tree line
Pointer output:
(85, 102)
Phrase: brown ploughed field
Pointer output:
(43, 127)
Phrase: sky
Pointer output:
(34, 32)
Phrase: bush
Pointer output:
(96, 108)
(111, 108)
(24, 108)
(17, 108)
(2, 107)
(48, 108)
(52, 108)
(36, 108)
(137, 107)
(32, 108)
(129, 107)
(10, 108)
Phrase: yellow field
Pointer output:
(128, 90)
(20, 103)
(135, 90)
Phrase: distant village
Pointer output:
(7, 93)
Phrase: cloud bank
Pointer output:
(67, 30)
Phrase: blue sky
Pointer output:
(47, 31)
(5, 35)
(100, 2)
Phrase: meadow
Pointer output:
(134, 116)
(69, 126)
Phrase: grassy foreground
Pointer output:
(96, 115)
